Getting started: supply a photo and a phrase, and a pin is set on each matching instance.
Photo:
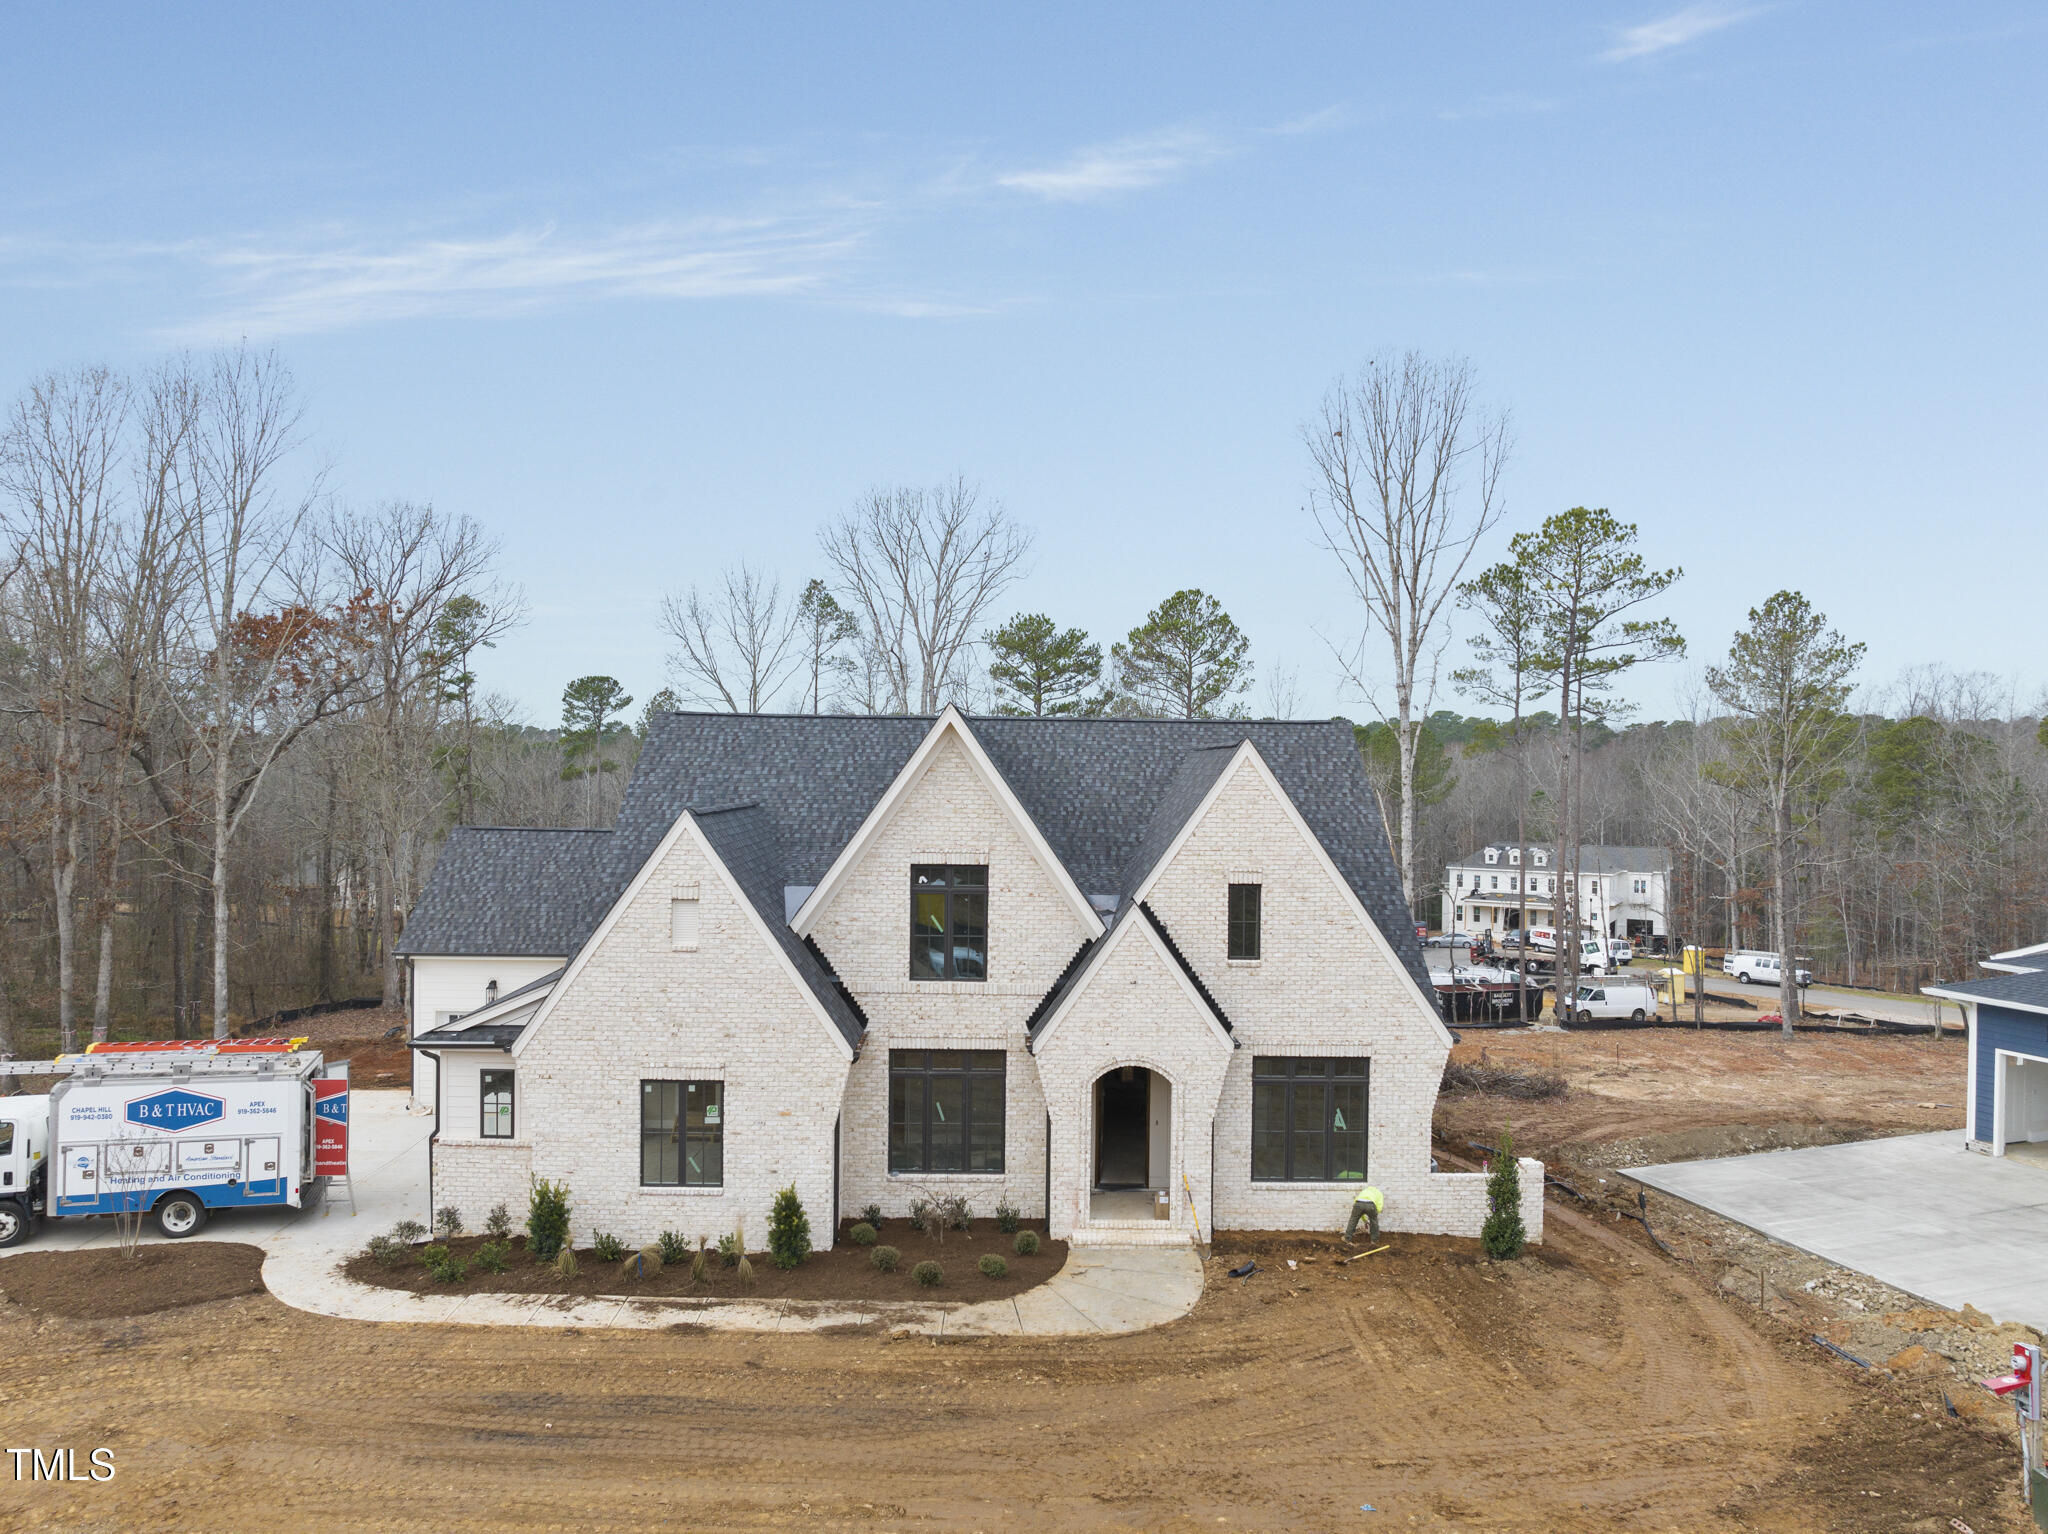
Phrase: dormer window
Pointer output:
(1515, 855)
(1493, 854)
(1542, 859)
(948, 922)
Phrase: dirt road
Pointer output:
(1593, 1386)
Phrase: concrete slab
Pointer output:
(1918, 1212)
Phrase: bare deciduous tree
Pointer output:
(921, 569)
(736, 647)
(1408, 467)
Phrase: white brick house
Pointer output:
(1065, 964)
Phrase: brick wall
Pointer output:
(727, 1011)
(949, 815)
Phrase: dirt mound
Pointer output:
(104, 1282)
(1502, 1081)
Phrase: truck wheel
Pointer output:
(179, 1215)
(16, 1226)
(1636, 1016)
(1585, 1017)
(1743, 977)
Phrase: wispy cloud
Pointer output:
(1675, 31)
(275, 286)
(1129, 165)
(1327, 120)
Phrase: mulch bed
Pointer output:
(101, 1283)
(844, 1273)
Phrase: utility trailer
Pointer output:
(174, 1129)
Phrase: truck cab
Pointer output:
(24, 1165)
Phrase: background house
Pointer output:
(2006, 1089)
(1624, 891)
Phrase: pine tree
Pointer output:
(1503, 1235)
(1041, 669)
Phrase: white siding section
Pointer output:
(442, 986)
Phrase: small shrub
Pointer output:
(385, 1250)
(928, 1275)
(862, 1234)
(789, 1230)
(951, 1211)
(728, 1250)
(1026, 1244)
(606, 1247)
(443, 1266)
(564, 1263)
(994, 1266)
(406, 1232)
(920, 1213)
(871, 1214)
(448, 1221)
(491, 1256)
(498, 1223)
(1503, 1235)
(673, 1248)
(885, 1258)
(1007, 1217)
(547, 1219)
(645, 1263)
(700, 1260)
(744, 1271)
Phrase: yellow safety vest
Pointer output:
(1371, 1195)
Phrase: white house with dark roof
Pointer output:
(1624, 892)
(1066, 965)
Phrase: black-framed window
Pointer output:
(945, 1110)
(1244, 921)
(1309, 1118)
(495, 1090)
(948, 922)
(682, 1134)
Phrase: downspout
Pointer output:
(434, 1136)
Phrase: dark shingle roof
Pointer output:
(1593, 858)
(2026, 989)
(1106, 793)
(506, 891)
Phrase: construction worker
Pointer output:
(1366, 1206)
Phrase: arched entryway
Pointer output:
(1133, 1149)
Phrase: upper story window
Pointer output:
(948, 922)
(1542, 858)
(1493, 881)
(1515, 855)
(1244, 921)
(1461, 881)
(1493, 854)
(1642, 886)
(496, 1094)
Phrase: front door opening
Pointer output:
(1122, 1144)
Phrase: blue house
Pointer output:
(2007, 1091)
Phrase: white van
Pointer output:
(1753, 966)
(1632, 999)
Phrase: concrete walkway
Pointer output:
(1917, 1212)
(1099, 1291)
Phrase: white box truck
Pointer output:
(173, 1130)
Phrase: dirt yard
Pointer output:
(1594, 1386)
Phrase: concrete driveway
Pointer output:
(1917, 1212)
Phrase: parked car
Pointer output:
(1632, 999)
(1752, 966)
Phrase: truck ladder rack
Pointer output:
(175, 1063)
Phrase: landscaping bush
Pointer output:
(928, 1275)
(606, 1247)
(729, 1250)
(672, 1246)
(406, 1232)
(994, 1266)
(744, 1272)
(443, 1266)
(448, 1221)
(862, 1234)
(885, 1258)
(386, 1249)
(498, 1223)
(564, 1262)
(951, 1211)
(1026, 1244)
(789, 1230)
(871, 1214)
(1503, 1234)
(1007, 1217)
(920, 1212)
(492, 1254)
(547, 1219)
(645, 1263)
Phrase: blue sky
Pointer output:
(646, 291)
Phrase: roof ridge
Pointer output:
(476, 826)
